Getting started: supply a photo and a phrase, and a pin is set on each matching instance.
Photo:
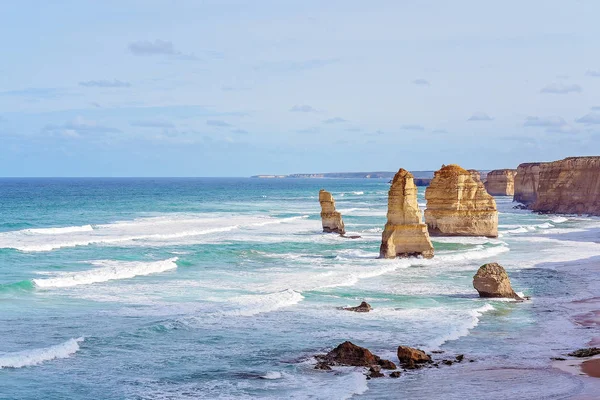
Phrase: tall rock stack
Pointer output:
(459, 205)
(331, 219)
(527, 182)
(569, 186)
(501, 182)
(405, 234)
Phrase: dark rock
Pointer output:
(437, 351)
(351, 236)
(447, 362)
(460, 357)
(558, 358)
(375, 372)
(363, 307)
(409, 357)
(350, 354)
(323, 366)
(395, 374)
(589, 352)
(471, 360)
(520, 207)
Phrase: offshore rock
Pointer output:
(527, 182)
(492, 280)
(363, 307)
(405, 234)
(569, 186)
(331, 219)
(409, 357)
(501, 182)
(459, 205)
(349, 354)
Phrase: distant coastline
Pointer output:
(347, 175)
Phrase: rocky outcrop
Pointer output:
(409, 356)
(349, 354)
(492, 280)
(405, 234)
(331, 219)
(501, 182)
(363, 307)
(526, 183)
(459, 205)
(476, 175)
(569, 186)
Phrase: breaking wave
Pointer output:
(28, 358)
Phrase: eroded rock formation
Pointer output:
(350, 354)
(331, 219)
(405, 234)
(569, 186)
(363, 307)
(409, 356)
(491, 280)
(526, 183)
(459, 205)
(501, 182)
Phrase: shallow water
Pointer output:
(225, 288)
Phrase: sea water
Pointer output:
(226, 288)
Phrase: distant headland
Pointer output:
(349, 175)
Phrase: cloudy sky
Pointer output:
(235, 88)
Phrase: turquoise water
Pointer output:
(226, 288)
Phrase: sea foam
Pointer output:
(463, 330)
(28, 358)
(108, 270)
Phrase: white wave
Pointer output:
(249, 305)
(358, 193)
(546, 225)
(463, 330)
(477, 253)
(153, 230)
(559, 220)
(465, 240)
(272, 375)
(28, 358)
(109, 270)
(58, 231)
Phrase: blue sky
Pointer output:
(236, 88)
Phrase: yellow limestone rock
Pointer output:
(501, 182)
(331, 219)
(569, 186)
(527, 182)
(458, 205)
(405, 234)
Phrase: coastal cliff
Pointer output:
(331, 219)
(569, 186)
(501, 182)
(405, 234)
(526, 183)
(458, 205)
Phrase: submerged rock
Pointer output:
(330, 218)
(395, 374)
(501, 182)
(375, 372)
(405, 234)
(363, 307)
(589, 352)
(491, 280)
(459, 205)
(323, 366)
(349, 354)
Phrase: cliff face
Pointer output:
(458, 205)
(501, 182)
(569, 186)
(405, 234)
(526, 183)
(331, 219)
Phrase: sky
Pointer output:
(238, 88)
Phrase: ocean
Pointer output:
(224, 288)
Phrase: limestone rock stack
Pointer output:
(458, 205)
(475, 174)
(569, 186)
(331, 219)
(526, 183)
(501, 182)
(405, 234)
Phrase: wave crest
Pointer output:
(28, 358)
